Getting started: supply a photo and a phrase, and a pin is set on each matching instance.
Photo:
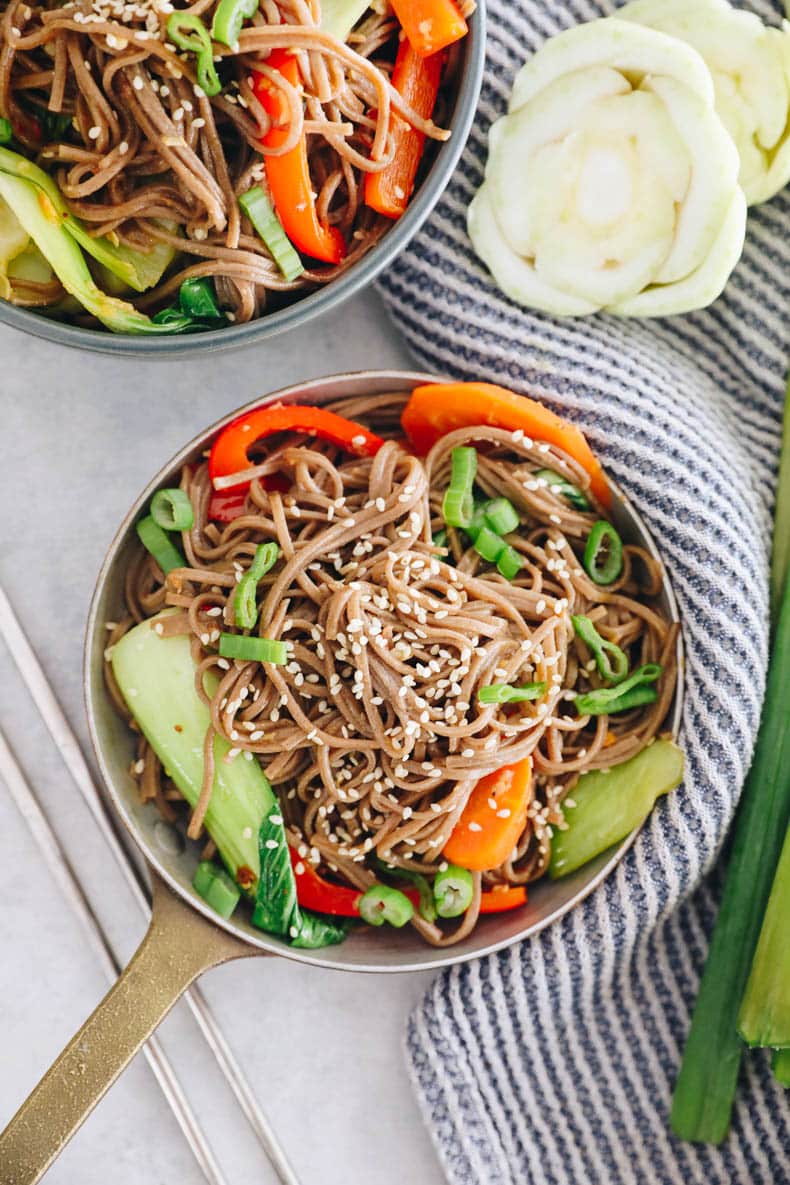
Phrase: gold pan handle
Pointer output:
(180, 944)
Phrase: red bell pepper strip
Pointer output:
(503, 897)
(288, 175)
(313, 892)
(430, 25)
(229, 451)
(417, 79)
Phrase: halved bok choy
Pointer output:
(750, 67)
(612, 184)
(32, 201)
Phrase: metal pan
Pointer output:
(185, 937)
(442, 160)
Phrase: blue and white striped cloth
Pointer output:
(553, 1063)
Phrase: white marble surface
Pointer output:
(79, 436)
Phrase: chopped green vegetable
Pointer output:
(216, 888)
(382, 904)
(156, 676)
(253, 649)
(489, 545)
(780, 1065)
(229, 17)
(197, 308)
(263, 216)
(609, 804)
(502, 693)
(501, 516)
(603, 553)
(197, 299)
(315, 931)
(157, 542)
(6, 132)
(509, 563)
(705, 1089)
(427, 909)
(245, 606)
(172, 510)
(601, 648)
(188, 32)
(629, 693)
(564, 488)
(453, 889)
(458, 504)
(277, 909)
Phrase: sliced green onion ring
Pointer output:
(188, 33)
(172, 510)
(245, 605)
(229, 18)
(453, 890)
(266, 556)
(603, 553)
(381, 904)
(216, 888)
(501, 516)
(158, 543)
(565, 488)
(458, 504)
(503, 693)
(602, 648)
(509, 562)
(630, 693)
(6, 131)
(426, 908)
(253, 649)
(489, 545)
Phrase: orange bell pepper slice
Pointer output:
(438, 408)
(503, 897)
(430, 25)
(493, 819)
(417, 79)
(288, 175)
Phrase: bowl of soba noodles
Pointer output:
(383, 668)
(176, 178)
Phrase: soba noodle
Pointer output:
(372, 735)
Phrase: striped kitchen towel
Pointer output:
(552, 1063)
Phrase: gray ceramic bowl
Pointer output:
(470, 77)
(365, 949)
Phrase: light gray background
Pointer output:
(80, 434)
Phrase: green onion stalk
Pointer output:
(705, 1089)
(765, 1012)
